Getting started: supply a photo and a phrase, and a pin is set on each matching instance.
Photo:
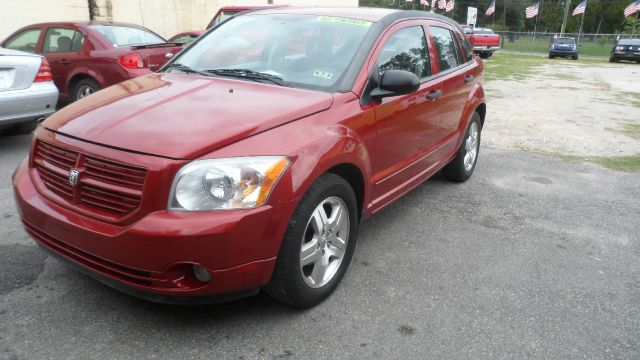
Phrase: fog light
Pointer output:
(201, 274)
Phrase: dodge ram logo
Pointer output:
(74, 175)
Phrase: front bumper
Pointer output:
(152, 257)
(555, 52)
(38, 100)
(633, 56)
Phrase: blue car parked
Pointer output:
(563, 46)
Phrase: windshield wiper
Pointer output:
(186, 69)
(248, 74)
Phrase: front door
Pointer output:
(407, 126)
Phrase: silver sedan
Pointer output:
(27, 92)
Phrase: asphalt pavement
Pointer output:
(531, 258)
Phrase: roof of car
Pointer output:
(85, 23)
(361, 13)
(565, 37)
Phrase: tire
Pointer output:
(483, 55)
(22, 128)
(458, 169)
(300, 285)
(575, 57)
(551, 56)
(83, 88)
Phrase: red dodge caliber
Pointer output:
(248, 161)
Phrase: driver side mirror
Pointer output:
(394, 83)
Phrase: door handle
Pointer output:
(65, 62)
(468, 79)
(434, 94)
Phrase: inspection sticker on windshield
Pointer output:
(323, 74)
(341, 20)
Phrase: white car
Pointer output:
(27, 92)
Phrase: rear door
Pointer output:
(457, 71)
(407, 125)
(62, 46)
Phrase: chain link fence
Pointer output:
(589, 44)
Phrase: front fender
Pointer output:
(315, 145)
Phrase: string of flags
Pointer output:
(530, 11)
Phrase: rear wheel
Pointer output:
(485, 55)
(551, 56)
(462, 166)
(22, 128)
(575, 57)
(84, 88)
(318, 245)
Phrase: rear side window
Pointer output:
(466, 48)
(62, 40)
(406, 50)
(24, 41)
(448, 52)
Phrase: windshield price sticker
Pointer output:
(347, 21)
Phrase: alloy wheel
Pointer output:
(324, 242)
(471, 146)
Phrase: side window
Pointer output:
(62, 40)
(24, 41)
(446, 47)
(468, 53)
(406, 50)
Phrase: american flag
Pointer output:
(442, 4)
(491, 9)
(433, 5)
(580, 8)
(408, 0)
(632, 8)
(424, 2)
(450, 5)
(532, 11)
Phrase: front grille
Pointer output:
(102, 185)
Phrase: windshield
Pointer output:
(629, 42)
(127, 36)
(565, 41)
(304, 51)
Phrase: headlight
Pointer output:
(619, 47)
(230, 183)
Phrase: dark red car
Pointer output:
(88, 56)
(185, 37)
(226, 12)
(250, 159)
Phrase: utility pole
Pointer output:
(566, 13)
(504, 14)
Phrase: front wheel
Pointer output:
(462, 166)
(318, 244)
(575, 57)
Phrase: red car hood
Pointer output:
(181, 116)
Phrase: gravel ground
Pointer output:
(572, 108)
(531, 258)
